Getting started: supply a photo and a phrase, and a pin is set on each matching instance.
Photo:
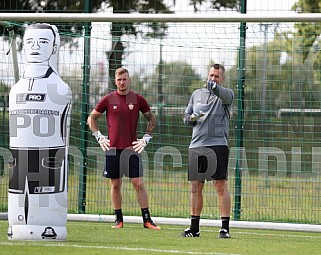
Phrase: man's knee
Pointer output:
(220, 186)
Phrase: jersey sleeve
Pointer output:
(102, 105)
(144, 106)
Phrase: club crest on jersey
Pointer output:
(131, 106)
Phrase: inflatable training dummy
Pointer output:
(39, 110)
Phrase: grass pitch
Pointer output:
(99, 238)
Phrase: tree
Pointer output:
(309, 46)
(218, 4)
(308, 31)
(179, 80)
(118, 29)
(115, 55)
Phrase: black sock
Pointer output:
(195, 223)
(226, 223)
(118, 215)
(145, 214)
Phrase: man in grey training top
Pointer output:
(208, 111)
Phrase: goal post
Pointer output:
(186, 18)
(279, 157)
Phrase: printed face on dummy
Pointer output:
(38, 45)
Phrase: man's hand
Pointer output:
(211, 85)
(196, 115)
(140, 144)
(103, 141)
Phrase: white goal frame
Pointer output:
(109, 17)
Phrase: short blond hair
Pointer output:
(121, 71)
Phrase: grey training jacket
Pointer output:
(213, 128)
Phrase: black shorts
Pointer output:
(208, 163)
(121, 163)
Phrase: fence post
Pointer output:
(240, 116)
(84, 113)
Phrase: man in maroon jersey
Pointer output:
(121, 146)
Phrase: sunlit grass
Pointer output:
(99, 238)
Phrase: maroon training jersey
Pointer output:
(122, 113)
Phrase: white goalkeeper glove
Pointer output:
(140, 144)
(103, 141)
(196, 115)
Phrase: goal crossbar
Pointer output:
(110, 17)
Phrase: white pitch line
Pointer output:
(113, 248)
(284, 235)
(261, 234)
